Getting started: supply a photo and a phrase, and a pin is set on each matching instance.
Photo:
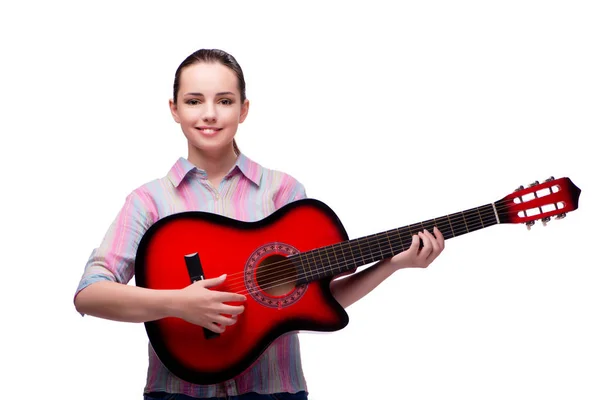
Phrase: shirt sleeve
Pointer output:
(290, 190)
(114, 259)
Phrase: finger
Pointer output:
(426, 250)
(224, 321)
(213, 281)
(228, 296)
(439, 237)
(231, 310)
(214, 327)
(414, 246)
(434, 243)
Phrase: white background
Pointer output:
(391, 114)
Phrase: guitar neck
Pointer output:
(346, 256)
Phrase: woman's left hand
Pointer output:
(414, 257)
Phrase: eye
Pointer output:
(227, 102)
(192, 102)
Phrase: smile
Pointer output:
(208, 131)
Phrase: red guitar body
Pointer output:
(242, 250)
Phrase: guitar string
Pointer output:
(372, 245)
(356, 245)
(384, 238)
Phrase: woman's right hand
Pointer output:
(201, 306)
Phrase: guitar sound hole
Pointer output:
(276, 275)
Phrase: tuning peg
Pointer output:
(549, 179)
(545, 220)
(530, 224)
(534, 184)
(560, 216)
(519, 188)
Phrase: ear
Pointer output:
(244, 110)
(174, 112)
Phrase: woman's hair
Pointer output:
(215, 56)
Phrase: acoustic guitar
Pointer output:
(284, 264)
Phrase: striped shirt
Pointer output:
(249, 192)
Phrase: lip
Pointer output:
(208, 130)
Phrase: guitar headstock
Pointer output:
(539, 201)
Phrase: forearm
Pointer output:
(354, 287)
(126, 303)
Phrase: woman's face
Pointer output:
(209, 107)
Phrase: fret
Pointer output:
(465, 220)
(450, 224)
(344, 256)
(360, 251)
(349, 245)
(473, 222)
(379, 246)
(408, 237)
(328, 260)
(480, 220)
(443, 225)
(400, 239)
(335, 256)
(311, 267)
(428, 225)
(388, 249)
(458, 223)
(314, 254)
(327, 267)
(322, 267)
(413, 229)
(387, 236)
(371, 250)
(489, 216)
(395, 244)
(307, 277)
(303, 266)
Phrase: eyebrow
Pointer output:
(200, 94)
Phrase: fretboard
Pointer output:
(345, 256)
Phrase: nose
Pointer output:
(210, 113)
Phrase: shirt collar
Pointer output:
(182, 167)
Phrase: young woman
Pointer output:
(209, 101)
